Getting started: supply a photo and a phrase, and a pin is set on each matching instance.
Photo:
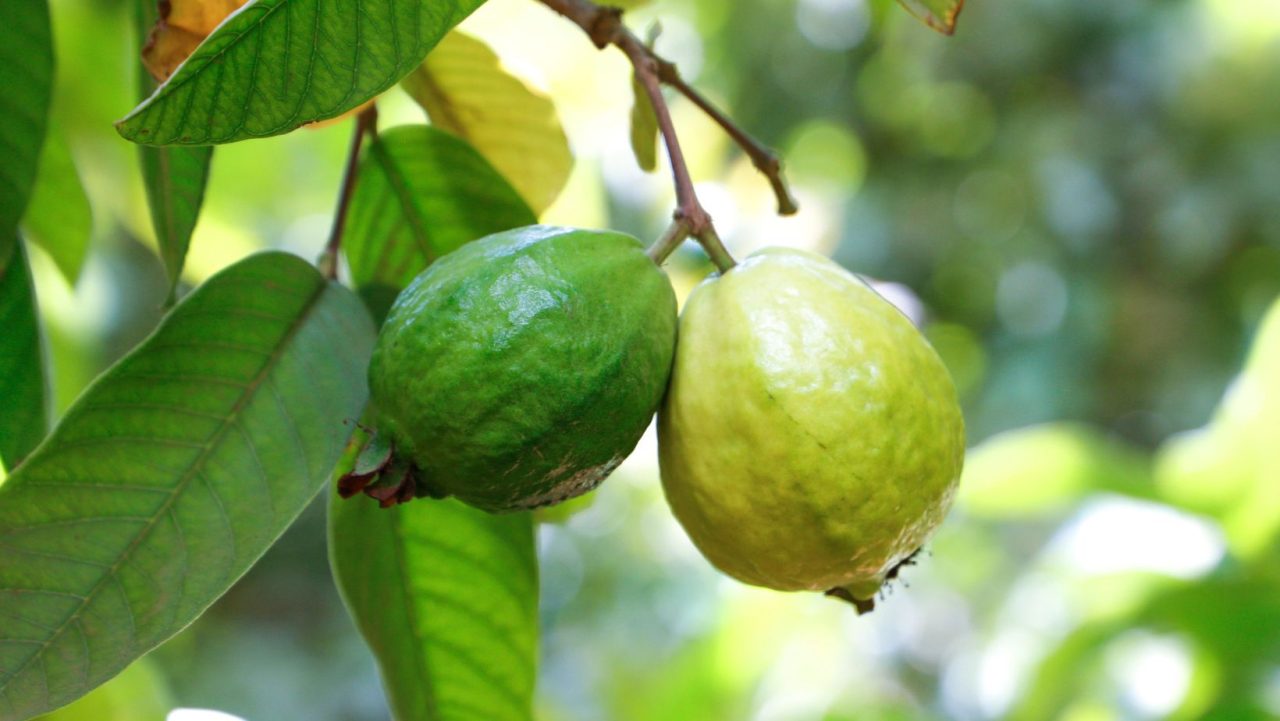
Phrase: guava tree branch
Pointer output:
(366, 123)
(604, 26)
(765, 160)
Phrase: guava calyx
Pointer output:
(863, 597)
(384, 476)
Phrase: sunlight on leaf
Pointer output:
(1228, 468)
(137, 694)
(173, 474)
(1045, 469)
(941, 15)
(465, 90)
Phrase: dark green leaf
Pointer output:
(466, 91)
(173, 474)
(174, 178)
(22, 384)
(447, 598)
(941, 15)
(26, 77)
(58, 216)
(422, 193)
(278, 64)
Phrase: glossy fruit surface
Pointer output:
(520, 370)
(811, 438)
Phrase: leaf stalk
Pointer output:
(366, 124)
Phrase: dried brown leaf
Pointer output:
(182, 26)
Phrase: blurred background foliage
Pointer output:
(1078, 199)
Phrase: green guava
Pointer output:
(811, 439)
(518, 371)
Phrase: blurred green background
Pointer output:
(1078, 199)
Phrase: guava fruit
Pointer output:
(811, 439)
(518, 371)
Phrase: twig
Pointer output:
(765, 160)
(604, 26)
(366, 123)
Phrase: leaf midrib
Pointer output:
(446, 103)
(400, 186)
(415, 627)
(193, 471)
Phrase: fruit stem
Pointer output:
(604, 26)
(366, 123)
(676, 234)
(719, 254)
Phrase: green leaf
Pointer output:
(422, 193)
(465, 90)
(174, 177)
(26, 76)
(58, 215)
(278, 64)
(644, 127)
(941, 15)
(22, 383)
(447, 598)
(1046, 469)
(175, 180)
(138, 694)
(1228, 469)
(173, 474)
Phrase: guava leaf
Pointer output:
(644, 128)
(173, 474)
(25, 418)
(137, 694)
(422, 193)
(26, 75)
(58, 217)
(941, 15)
(1240, 635)
(175, 180)
(1227, 469)
(174, 177)
(278, 64)
(446, 596)
(170, 39)
(1046, 469)
(464, 89)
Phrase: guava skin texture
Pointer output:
(521, 369)
(811, 438)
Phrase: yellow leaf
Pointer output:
(465, 90)
(182, 26)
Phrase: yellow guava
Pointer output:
(811, 438)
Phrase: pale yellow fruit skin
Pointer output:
(811, 438)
